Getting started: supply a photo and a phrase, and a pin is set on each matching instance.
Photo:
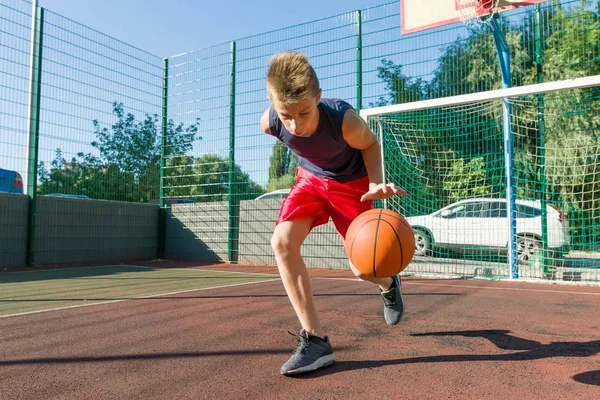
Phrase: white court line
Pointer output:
(140, 267)
(405, 282)
(134, 298)
(205, 270)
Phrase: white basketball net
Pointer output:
(477, 13)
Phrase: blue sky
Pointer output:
(169, 27)
(84, 71)
(80, 87)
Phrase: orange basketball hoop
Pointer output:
(476, 13)
(419, 15)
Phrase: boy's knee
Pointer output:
(280, 243)
(288, 236)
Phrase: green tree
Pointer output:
(440, 139)
(293, 164)
(279, 160)
(417, 159)
(211, 180)
(86, 176)
(127, 167)
(180, 176)
(466, 180)
(399, 88)
(471, 65)
(572, 121)
(282, 167)
(134, 146)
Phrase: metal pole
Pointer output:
(33, 121)
(162, 212)
(164, 141)
(381, 145)
(504, 59)
(233, 229)
(539, 58)
(359, 60)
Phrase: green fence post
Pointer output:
(234, 206)
(359, 60)
(539, 57)
(33, 121)
(162, 213)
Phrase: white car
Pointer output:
(276, 194)
(482, 224)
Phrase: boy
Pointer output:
(338, 176)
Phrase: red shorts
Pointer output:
(321, 198)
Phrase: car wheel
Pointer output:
(527, 246)
(422, 243)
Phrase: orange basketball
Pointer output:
(380, 243)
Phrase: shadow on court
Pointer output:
(589, 378)
(109, 271)
(142, 357)
(524, 350)
(468, 339)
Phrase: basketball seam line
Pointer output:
(381, 212)
(354, 239)
(375, 243)
(398, 241)
(399, 219)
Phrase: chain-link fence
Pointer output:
(88, 116)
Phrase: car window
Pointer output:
(455, 211)
(274, 196)
(468, 210)
(527, 211)
(496, 209)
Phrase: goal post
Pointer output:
(449, 154)
(538, 88)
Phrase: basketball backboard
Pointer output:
(419, 15)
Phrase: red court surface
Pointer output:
(459, 339)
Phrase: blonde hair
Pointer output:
(291, 77)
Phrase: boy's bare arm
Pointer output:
(264, 122)
(358, 135)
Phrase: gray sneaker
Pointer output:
(311, 353)
(393, 302)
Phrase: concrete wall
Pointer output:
(197, 232)
(323, 247)
(93, 231)
(89, 231)
(14, 211)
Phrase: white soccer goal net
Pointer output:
(503, 183)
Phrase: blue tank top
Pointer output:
(325, 153)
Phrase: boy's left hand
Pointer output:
(383, 191)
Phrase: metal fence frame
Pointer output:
(363, 54)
